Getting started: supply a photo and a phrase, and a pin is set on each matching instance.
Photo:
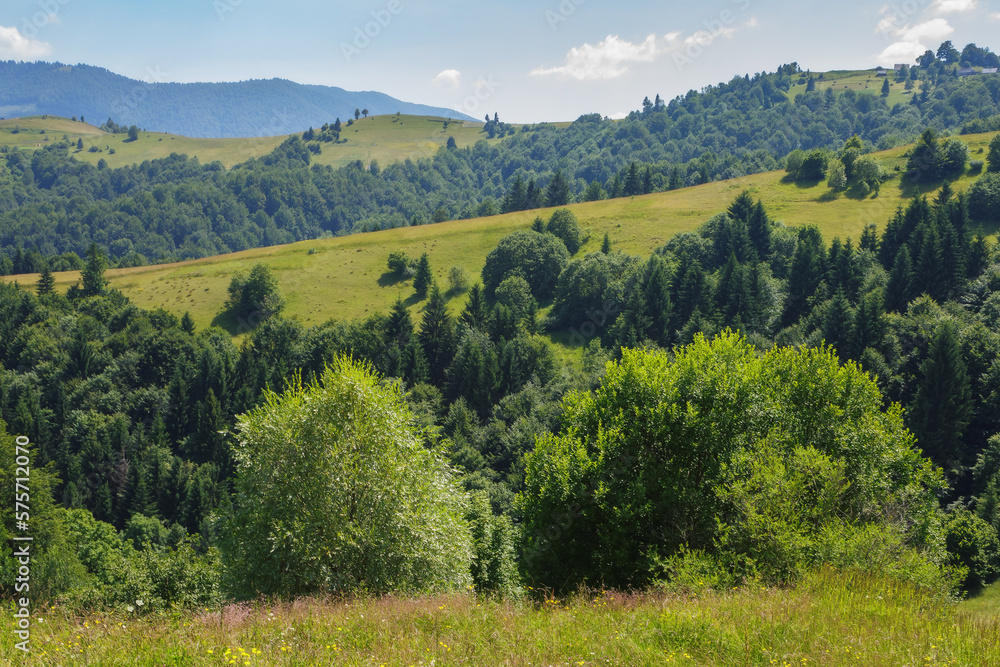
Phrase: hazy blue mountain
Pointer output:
(245, 109)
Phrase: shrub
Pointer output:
(538, 258)
(757, 460)
(564, 226)
(458, 280)
(494, 540)
(336, 492)
(973, 545)
(255, 293)
(984, 198)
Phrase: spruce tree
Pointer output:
(46, 282)
(399, 326)
(868, 327)
(422, 277)
(92, 275)
(633, 324)
(516, 196)
(657, 297)
(474, 314)
(558, 193)
(942, 408)
(805, 274)
(437, 336)
(899, 289)
(187, 323)
(759, 228)
(837, 320)
(606, 244)
(413, 366)
(930, 264)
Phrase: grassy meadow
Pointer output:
(384, 138)
(830, 618)
(859, 81)
(345, 277)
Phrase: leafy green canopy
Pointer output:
(768, 462)
(335, 491)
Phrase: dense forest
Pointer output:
(245, 109)
(748, 403)
(52, 207)
(150, 433)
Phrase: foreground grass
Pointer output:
(829, 619)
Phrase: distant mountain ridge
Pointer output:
(207, 110)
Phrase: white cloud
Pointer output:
(610, 59)
(16, 46)
(901, 52)
(449, 77)
(913, 41)
(933, 30)
(949, 6)
(607, 60)
(995, 16)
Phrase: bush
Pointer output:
(336, 492)
(756, 460)
(592, 291)
(973, 545)
(494, 540)
(255, 293)
(984, 198)
(564, 226)
(515, 294)
(458, 280)
(813, 166)
(538, 258)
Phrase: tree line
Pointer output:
(53, 207)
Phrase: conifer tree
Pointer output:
(759, 228)
(868, 327)
(187, 323)
(657, 298)
(92, 275)
(805, 274)
(474, 314)
(413, 364)
(437, 336)
(558, 192)
(837, 321)
(46, 282)
(606, 244)
(422, 277)
(399, 326)
(930, 263)
(899, 289)
(942, 408)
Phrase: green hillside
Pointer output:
(386, 139)
(859, 81)
(345, 277)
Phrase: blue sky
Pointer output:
(528, 61)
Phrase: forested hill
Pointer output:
(245, 109)
(51, 204)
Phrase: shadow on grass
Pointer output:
(390, 278)
(828, 196)
(230, 322)
(803, 183)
